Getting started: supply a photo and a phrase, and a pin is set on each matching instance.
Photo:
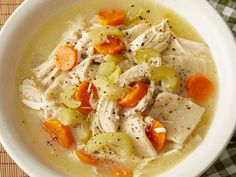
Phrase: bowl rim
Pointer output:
(232, 46)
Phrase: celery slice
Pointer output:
(105, 70)
(114, 58)
(167, 76)
(66, 97)
(119, 142)
(144, 55)
(98, 35)
(114, 77)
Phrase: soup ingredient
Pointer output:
(99, 35)
(111, 17)
(60, 132)
(144, 55)
(199, 88)
(157, 134)
(120, 172)
(116, 141)
(67, 97)
(137, 92)
(105, 70)
(65, 57)
(86, 158)
(114, 58)
(114, 77)
(112, 45)
(167, 76)
(83, 93)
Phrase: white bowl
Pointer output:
(27, 19)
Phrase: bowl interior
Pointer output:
(20, 29)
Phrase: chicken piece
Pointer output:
(106, 118)
(80, 72)
(134, 126)
(184, 66)
(134, 74)
(45, 68)
(134, 31)
(179, 115)
(158, 37)
(144, 103)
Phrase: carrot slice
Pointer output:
(86, 158)
(119, 172)
(111, 46)
(65, 57)
(158, 139)
(60, 132)
(199, 88)
(83, 94)
(138, 91)
(111, 17)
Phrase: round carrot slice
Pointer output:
(111, 46)
(86, 158)
(199, 88)
(65, 57)
(138, 91)
(111, 17)
(83, 94)
(60, 132)
(157, 138)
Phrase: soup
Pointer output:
(116, 88)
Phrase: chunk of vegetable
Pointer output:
(157, 134)
(166, 75)
(99, 35)
(111, 17)
(114, 58)
(105, 70)
(65, 57)
(144, 55)
(114, 77)
(117, 141)
(72, 117)
(112, 45)
(136, 19)
(67, 97)
(199, 88)
(86, 158)
(137, 92)
(108, 91)
(60, 132)
(83, 93)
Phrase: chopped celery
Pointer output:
(109, 91)
(72, 117)
(114, 77)
(167, 76)
(137, 19)
(105, 70)
(119, 142)
(98, 35)
(144, 55)
(114, 58)
(66, 97)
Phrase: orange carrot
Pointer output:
(60, 132)
(138, 91)
(86, 158)
(119, 172)
(199, 88)
(65, 57)
(158, 139)
(111, 17)
(111, 46)
(83, 94)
